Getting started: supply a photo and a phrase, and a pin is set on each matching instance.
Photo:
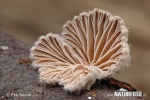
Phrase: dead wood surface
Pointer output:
(19, 81)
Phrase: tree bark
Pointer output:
(19, 81)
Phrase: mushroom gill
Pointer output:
(92, 46)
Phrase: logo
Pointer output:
(125, 93)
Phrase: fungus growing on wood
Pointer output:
(92, 46)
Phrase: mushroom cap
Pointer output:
(92, 46)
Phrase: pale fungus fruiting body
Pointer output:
(4, 48)
(92, 46)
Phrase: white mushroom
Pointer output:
(93, 46)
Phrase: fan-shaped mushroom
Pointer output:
(92, 46)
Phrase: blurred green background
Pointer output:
(29, 19)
